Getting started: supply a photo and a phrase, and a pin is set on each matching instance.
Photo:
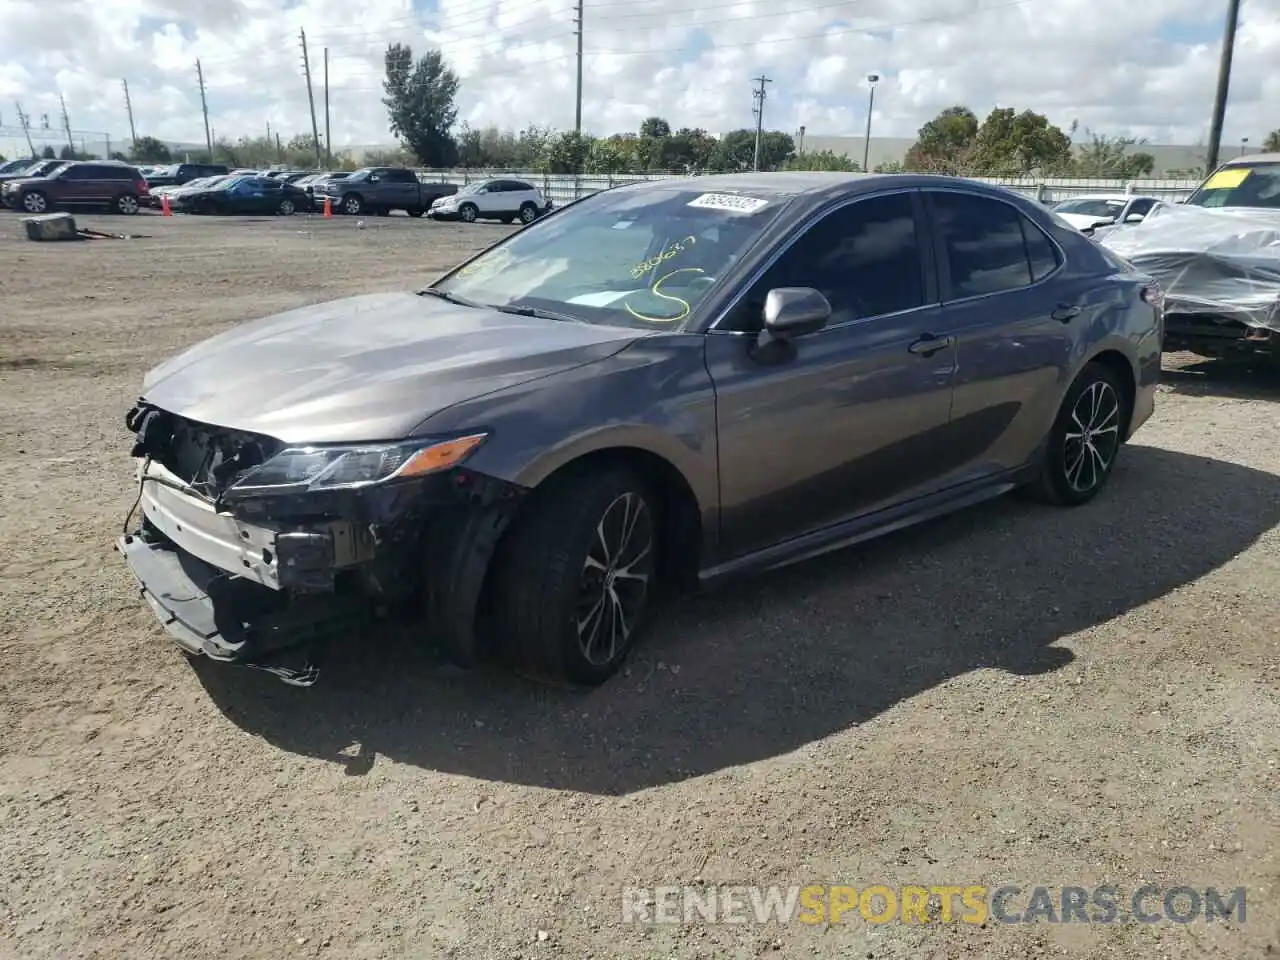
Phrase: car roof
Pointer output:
(1253, 158)
(1102, 196)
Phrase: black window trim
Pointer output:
(928, 257)
(940, 246)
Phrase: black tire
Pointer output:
(34, 202)
(416, 213)
(1085, 440)
(468, 213)
(507, 219)
(352, 204)
(528, 213)
(287, 208)
(126, 204)
(556, 594)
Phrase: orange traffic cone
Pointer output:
(165, 209)
(328, 207)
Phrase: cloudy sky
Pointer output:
(1142, 69)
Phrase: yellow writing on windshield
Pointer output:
(657, 291)
(640, 269)
(1228, 179)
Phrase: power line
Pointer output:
(204, 107)
(759, 95)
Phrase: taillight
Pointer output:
(1154, 295)
(141, 188)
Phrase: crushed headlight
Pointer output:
(310, 469)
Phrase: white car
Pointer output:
(505, 200)
(1095, 210)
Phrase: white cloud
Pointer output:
(1141, 69)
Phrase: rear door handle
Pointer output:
(1066, 312)
(929, 344)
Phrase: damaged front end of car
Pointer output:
(261, 553)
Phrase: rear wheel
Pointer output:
(528, 213)
(1085, 440)
(127, 204)
(573, 581)
(287, 208)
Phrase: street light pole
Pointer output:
(872, 80)
(1244, 142)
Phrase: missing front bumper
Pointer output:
(210, 613)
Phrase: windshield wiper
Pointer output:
(521, 310)
(449, 297)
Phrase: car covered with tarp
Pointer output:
(1217, 256)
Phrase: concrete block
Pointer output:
(51, 226)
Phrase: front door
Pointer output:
(852, 418)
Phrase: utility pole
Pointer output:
(204, 107)
(128, 105)
(306, 69)
(25, 122)
(328, 143)
(66, 125)
(577, 114)
(1224, 85)
(760, 95)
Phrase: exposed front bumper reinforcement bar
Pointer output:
(210, 613)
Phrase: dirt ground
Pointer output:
(1014, 696)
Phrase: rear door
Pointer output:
(1014, 318)
(400, 190)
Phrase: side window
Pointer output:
(520, 187)
(401, 176)
(1042, 255)
(123, 173)
(1141, 207)
(864, 258)
(985, 248)
(72, 173)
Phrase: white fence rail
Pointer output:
(562, 189)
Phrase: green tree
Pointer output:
(823, 160)
(736, 150)
(1272, 142)
(150, 150)
(568, 152)
(1010, 144)
(943, 145)
(48, 154)
(655, 128)
(1110, 158)
(420, 101)
(890, 166)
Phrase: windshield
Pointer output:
(1257, 185)
(634, 257)
(229, 182)
(1090, 207)
(471, 188)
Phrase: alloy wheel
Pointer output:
(469, 214)
(352, 205)
(615, 579)
(286, 208)
(1092, 437)
(34, 203)
(528, 215)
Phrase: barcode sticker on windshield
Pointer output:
(732, 202)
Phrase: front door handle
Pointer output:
(1066, 312)
(929, 344)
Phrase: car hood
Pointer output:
(366, 368)
(1083, 221)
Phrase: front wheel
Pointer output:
(416, 212)
(468, 212)
(35, 202)
(1085, 440)
(352, 204)
(573, 583)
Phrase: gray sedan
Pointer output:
(663, 384)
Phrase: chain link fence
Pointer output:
(562, 189)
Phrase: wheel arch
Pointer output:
(1122, 367)
(681, 512)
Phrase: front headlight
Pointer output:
(312, 469)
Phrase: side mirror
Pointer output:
(793, 312)
(1134, 218)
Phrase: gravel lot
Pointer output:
(1015, 695)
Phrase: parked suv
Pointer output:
(505, 200)
(118, 187)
